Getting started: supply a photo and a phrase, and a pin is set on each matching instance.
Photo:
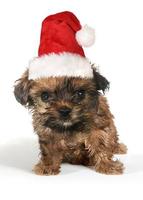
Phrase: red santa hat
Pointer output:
(60, 50)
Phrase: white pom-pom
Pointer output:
(85, 36)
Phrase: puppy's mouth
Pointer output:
(64, 125)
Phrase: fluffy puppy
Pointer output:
(73, 122)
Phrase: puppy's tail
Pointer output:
(121, 149)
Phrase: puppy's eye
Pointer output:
(80, 93)
(44, 96)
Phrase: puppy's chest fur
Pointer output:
(71, 146)
(63, 141)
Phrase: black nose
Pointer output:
(64, 111)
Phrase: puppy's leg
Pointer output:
(103, 163)
(44, 167)
(50, 160)
(100, 156)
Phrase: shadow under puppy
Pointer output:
(70, 113)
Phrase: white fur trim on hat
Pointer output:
(85, 36)
(63, 64)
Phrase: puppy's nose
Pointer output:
(64, 111)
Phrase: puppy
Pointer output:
(73, 122)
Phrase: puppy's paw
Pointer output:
(110, 167)
(121, 149)
(41, 169)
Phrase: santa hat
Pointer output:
(60, 51)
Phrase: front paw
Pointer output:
(110, 167)
(41, 169)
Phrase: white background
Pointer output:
(118, 51)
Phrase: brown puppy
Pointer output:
(73, 122)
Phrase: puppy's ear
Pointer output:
(21, 89)
(101, 82)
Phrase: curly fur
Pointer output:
(87, 137)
